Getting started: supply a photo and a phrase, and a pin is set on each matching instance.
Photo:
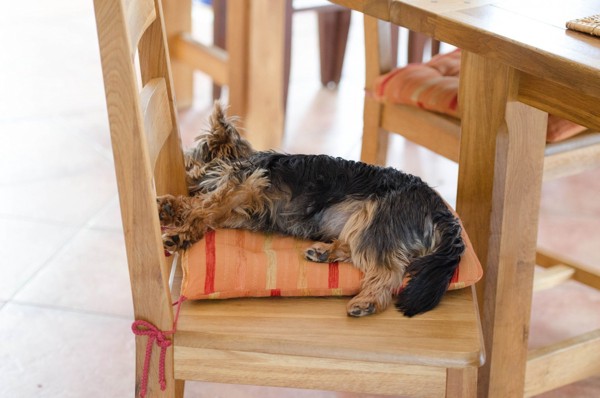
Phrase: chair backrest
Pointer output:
(145, 139)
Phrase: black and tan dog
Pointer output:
(387, 223)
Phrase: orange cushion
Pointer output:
(241, 263)
(434, 86)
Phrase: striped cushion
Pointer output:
(434, 86)
(240, 263)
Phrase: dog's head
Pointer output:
(222, 141)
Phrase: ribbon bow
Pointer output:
(145, 328)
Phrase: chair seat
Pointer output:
(291, 337)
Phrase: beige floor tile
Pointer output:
(47, 353)
(45, 149)
(56, 166)
(30, 246)
(69, 200)
(58, 69)
(90, 274)
(109, 217)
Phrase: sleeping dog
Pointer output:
(387, 223)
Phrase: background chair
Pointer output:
(333, 25)
(304, 343)
(548, 367)
(250, 55)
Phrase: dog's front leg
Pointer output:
(182, 221)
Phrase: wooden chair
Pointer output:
(548, 367)
(302, 343)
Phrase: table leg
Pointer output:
(500, 175)
(265, 104)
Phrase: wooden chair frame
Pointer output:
(547, 367)
(301, 343)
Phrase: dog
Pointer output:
(387, 223)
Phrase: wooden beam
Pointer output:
(562, 363)
(550, 277)
(210, 60)
(583, 273)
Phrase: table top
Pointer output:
(528, 35)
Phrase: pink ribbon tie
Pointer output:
(145, 328)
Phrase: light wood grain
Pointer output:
(375, 139)
(500, 174)
(242, 367)
(583, 273)
(139, 15)
(439, 133)
(237, 38)
(265, 121)
(446, 336)
(524, 56)
(563, 363)
(208, 59)
(251, 340)
(157, 120)
(147, 268)
(178, 21)
(552, 276)
(461, 383)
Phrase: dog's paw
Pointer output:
(317, 254)
(173, 242)
(167, 209)
(359, 307)
(321, 252)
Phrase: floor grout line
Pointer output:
(67, 309)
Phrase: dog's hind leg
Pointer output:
(378, 284)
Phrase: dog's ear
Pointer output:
(221, 125)
(223, 141)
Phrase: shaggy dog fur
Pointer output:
(387, 223)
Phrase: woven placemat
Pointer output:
(589, 25)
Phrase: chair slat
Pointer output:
(157, 117)
(139, 15)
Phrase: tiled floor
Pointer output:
(65, 307)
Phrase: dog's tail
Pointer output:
(430, 274)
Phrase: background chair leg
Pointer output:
(333, 35)
(461, 383)
(178, 19)
(219, 39)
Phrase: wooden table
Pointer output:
(518, 63)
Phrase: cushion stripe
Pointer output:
(271, 277)
(211, 262)
(334, 275)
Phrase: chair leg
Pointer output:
(461, 383)
(416, 46)
(287, 51)
(179, 388)
(333, 35)
(178, 19)
(219, 30)
(375, 139)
